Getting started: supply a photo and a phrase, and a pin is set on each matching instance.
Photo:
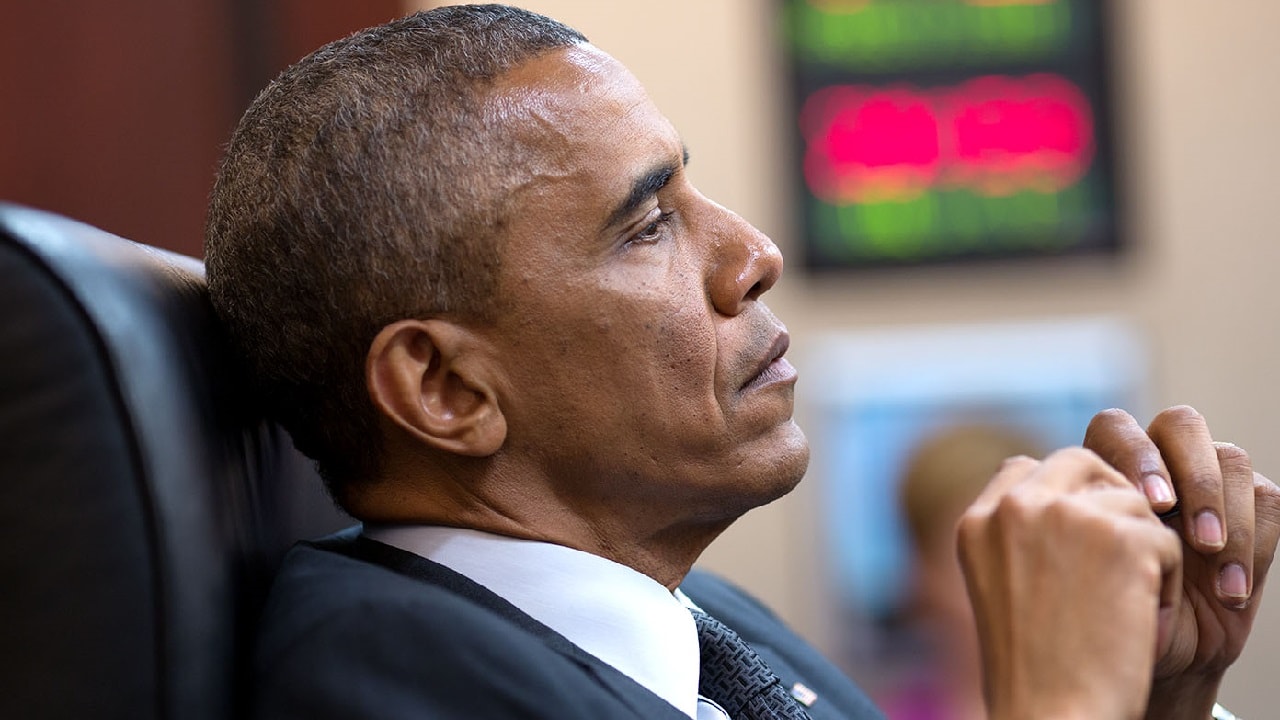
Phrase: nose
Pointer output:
(745, 264)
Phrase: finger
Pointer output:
(1184, 441)
(1035, 482)
(1169, 551)
(1124, 445)
(1117, 499)
(1162, 541)
(1235, 562)
(1011, 472)
(1076, 468)
(1266, 510)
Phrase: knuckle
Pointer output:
(1178, 416)
(1265, 492)
(1105, 424)
(1150, 573)
(1108, 417)
(1266, 520)
(1130, 501)
(1009, 504)
(970, 535)
(1073, 455)
(1266, 499)
(1137, 540)
(1014, 508)
(1204, 481)
(1233, 458)
(1197, 494)
(1058, 514)
(1240, 536)
(1117, 437)
(1087, 465)
(1015, 462)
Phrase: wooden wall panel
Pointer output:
(116, 113)
(111, 112)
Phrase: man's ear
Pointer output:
(429, 377)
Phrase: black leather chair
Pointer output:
(143, 501)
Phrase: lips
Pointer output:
(773, 367)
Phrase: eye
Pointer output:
(653, 231)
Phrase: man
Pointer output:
(471, 277)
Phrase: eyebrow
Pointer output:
(644, 188)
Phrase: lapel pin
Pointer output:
(803, 695)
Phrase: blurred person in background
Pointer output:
(944, 474)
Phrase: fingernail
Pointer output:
(1232, 581)
(1157, 489)
(1209, 529)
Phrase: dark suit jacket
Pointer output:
(358, 629)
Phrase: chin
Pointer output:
(792, 445)
(778, 467)
(793, 460)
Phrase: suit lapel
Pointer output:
(635, 696)
(789, 676)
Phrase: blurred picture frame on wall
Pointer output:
(944, 131)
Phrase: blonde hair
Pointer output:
(948, 470)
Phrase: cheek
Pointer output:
(678, 380)
(653, 355)
(675, 342)
(620, 352)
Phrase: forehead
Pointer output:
(582, 117)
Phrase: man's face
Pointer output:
(643, 372)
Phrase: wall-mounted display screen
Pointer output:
(936, 130)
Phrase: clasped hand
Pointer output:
(1089, 604)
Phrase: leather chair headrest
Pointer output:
(143, 500)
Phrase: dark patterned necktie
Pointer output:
(735, 677)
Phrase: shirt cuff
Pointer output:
(1221, 713)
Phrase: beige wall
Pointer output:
(1201, 108)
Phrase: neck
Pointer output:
(646, 539)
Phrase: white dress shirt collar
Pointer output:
(621, 616)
